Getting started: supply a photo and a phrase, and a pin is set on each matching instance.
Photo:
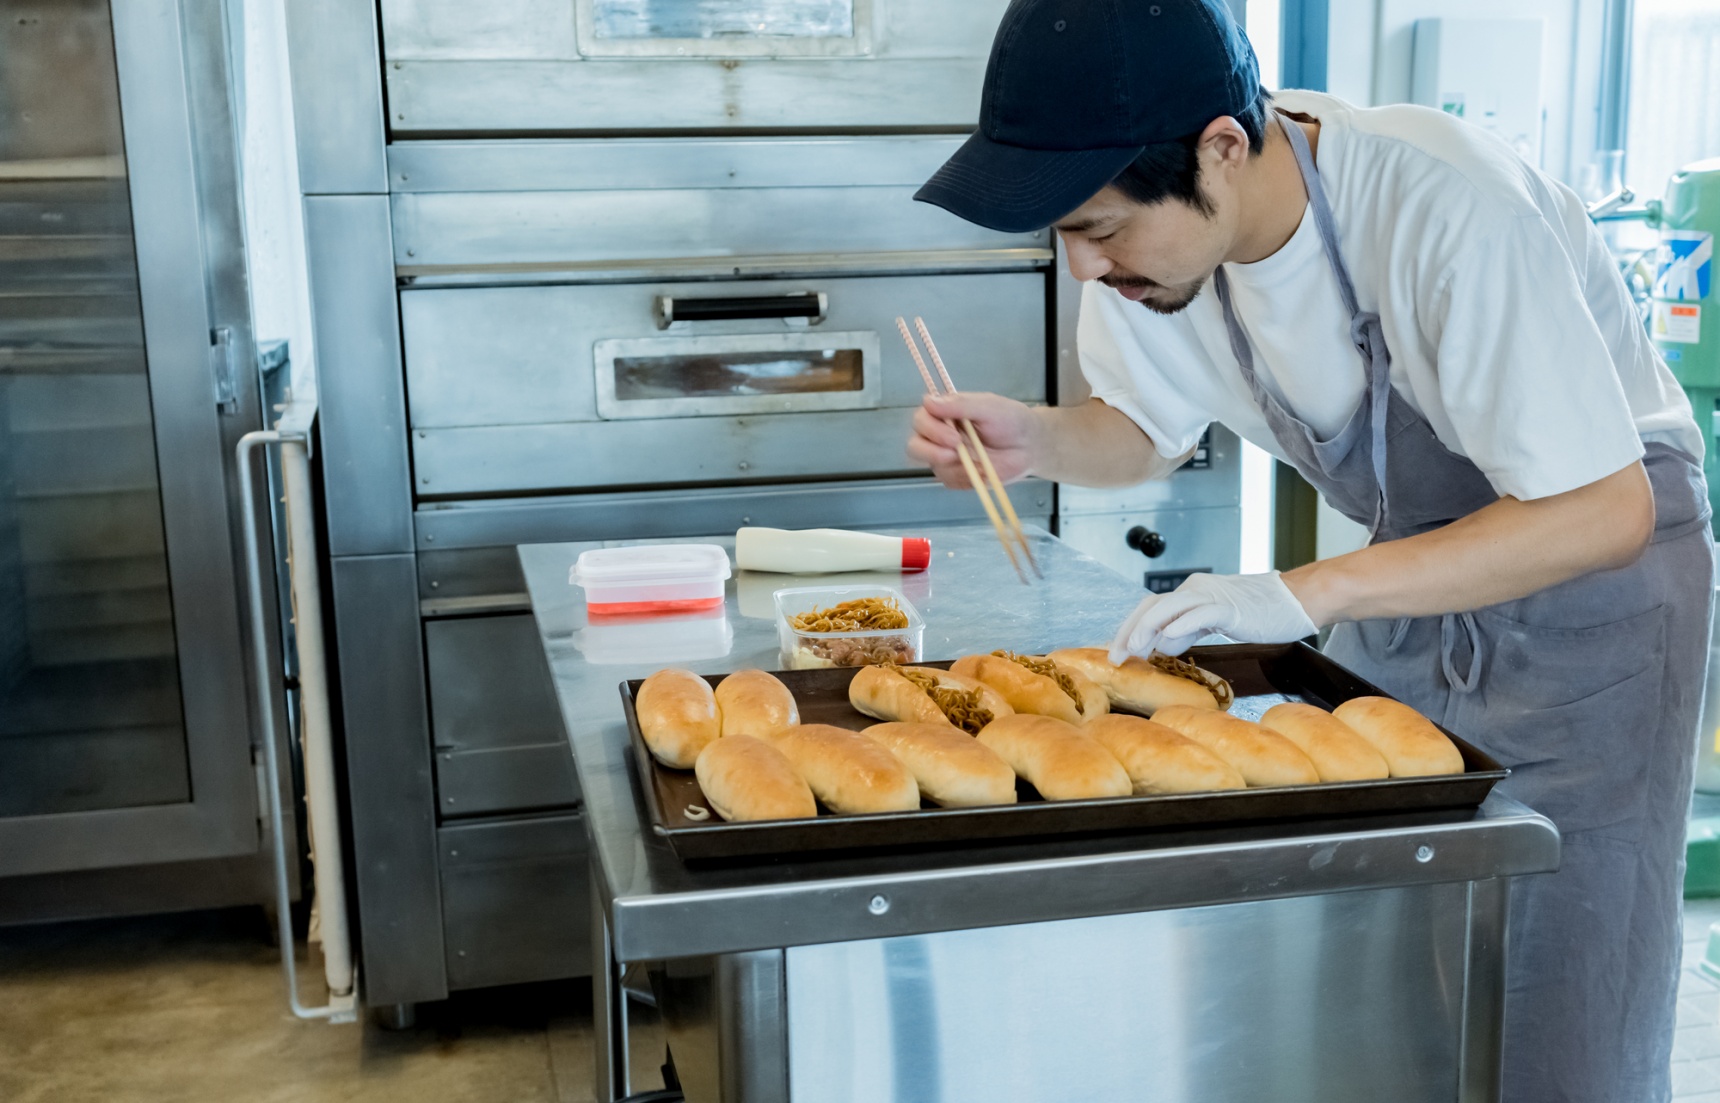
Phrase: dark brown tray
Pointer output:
(1253, 669)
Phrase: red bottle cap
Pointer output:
(916, 553)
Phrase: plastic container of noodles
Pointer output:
(822, 627)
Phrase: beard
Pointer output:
(1173, 300)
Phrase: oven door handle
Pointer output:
(805, 308)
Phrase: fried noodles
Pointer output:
(866, 614)
(960, 705)
(1182, 668)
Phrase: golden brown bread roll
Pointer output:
(952, 767)
(753, 702)
(1262, 757)
(1061, 763)
(677, 716)
(1412, 746)
(1137, 684)
(847, 771)
(1158, 759)
(744, 778)
(1027, 690)
(922, 695)
(1334, 748)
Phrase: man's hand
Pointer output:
(1008, 429)
(1248, 608)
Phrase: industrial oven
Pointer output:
(617, 269)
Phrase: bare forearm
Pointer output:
(1094, 445)
(1507, 550)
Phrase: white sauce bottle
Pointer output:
(826, 551)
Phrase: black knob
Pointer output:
(1145, 541)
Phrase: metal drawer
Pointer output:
(498, 735)
(516, 902)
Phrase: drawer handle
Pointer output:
(805, 308)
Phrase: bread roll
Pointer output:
(1137, 685)
(847, 771)
(1412, 746)
(1336, 750)
(1025, 690)
(952, 767)
(677, 716)
(1061, 763)
(755, 703)
(1262, 757)
(1159, 760)
(902, 693)
(745, 778)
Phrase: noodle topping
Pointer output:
(866, 614)
(960, 705)
(1050, 670)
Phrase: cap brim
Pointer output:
(1018, 190)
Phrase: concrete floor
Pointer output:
(186, 1008)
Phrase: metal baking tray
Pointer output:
(1254, 670)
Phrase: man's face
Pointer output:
(1159, 255)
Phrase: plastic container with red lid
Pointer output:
(651, 578)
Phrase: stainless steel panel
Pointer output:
(660, 908)
(366, 479)
(523, 355)
(1195, 539)
(1219, 484)
(727, 1026)
(1354, 997)
(693, 28)
(389, 778)
(333, 46)
(660, 453)
(1484, 993)
(515, 901)
(438, 232)
(519, 65)
(498, 737)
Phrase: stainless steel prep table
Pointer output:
(1318, 961)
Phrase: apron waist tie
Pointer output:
(1451, 625)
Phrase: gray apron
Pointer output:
(1589, 691)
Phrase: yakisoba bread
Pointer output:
(1262, 757)
(753, 702)
(847, 771)
(1062, 763)
(952, 768)
(1036, 685)
(1147, 685)
(1332, 745)
(1412, 746)
(1159, 759)
(745, 778)
(921, 695)
(677, 716)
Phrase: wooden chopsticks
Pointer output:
(1011, 536)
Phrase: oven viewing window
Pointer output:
(715, 376)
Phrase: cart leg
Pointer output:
(608, 1008)
(1480, 1053)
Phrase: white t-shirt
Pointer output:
(1509, 327)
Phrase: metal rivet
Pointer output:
(746, 520)
(1154, 10)
(424, 482)
(449, 800)
(1424, 853)
(435, 585)
(460, 953)
(402, 118)
(879, 904)
(453, 854)
(429, 538)
(1061, 24)
(745, 466)
(411, 252)
(404, 178)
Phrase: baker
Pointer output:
(1431, 331)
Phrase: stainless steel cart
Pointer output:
(1336, 960)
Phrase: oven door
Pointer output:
(760, 373)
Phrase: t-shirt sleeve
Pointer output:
(1524, 373)
(1130, 367)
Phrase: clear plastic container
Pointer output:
(651, 578)
(656, 639)
(820, 650)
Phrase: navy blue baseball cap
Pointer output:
(1075, 89)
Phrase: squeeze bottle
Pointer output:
(825, 551)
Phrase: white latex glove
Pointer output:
(1249, 608)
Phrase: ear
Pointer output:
(1223, 143)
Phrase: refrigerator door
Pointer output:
(124, 724)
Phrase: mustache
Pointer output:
(1129, 281)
